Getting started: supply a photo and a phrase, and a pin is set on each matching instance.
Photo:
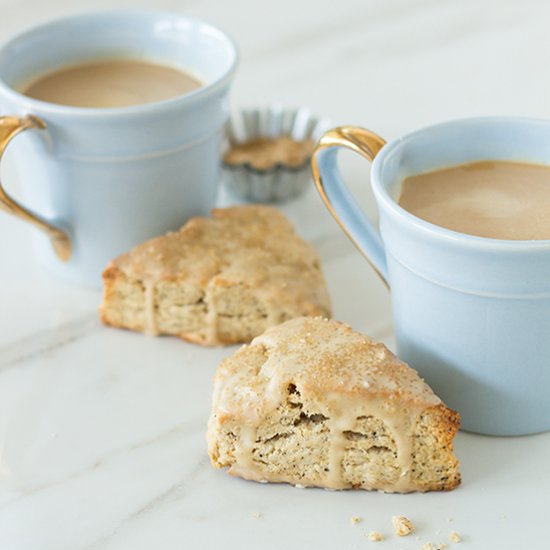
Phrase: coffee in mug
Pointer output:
(494, 199)
(110, 83)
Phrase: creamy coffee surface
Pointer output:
(494, 199)
(111, 83)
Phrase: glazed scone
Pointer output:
(218, 280)
(313, 403)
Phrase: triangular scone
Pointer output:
(217, 280)
(313, 403)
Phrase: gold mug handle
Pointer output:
(339, 200)
(10, 126)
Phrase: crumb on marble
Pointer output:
(375, 536)
(402, 525)
(454, 536)
(434, 546)
(256, 515)
(355, 520)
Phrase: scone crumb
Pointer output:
(256, 515)
(454, 537)
(402, 525)
(375, 536)
(355, 520)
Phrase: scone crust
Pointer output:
(228, 277)
(309, 381)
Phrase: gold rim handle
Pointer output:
(337, 197)
(10, 126)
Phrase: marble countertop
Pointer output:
(102, 441)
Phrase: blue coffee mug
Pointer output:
(97, 181)
(471, 314)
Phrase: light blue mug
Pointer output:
(471, 314)
(98, 181)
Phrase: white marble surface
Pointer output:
(102, 431)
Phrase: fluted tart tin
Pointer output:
(268, 152)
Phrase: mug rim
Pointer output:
(430, 229)
(39, 107)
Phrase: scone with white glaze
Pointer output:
(217, 280)
(313, 403)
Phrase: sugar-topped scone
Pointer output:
(218, 280)
(313, 403)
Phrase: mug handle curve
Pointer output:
(10, 126)
(337, 197)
